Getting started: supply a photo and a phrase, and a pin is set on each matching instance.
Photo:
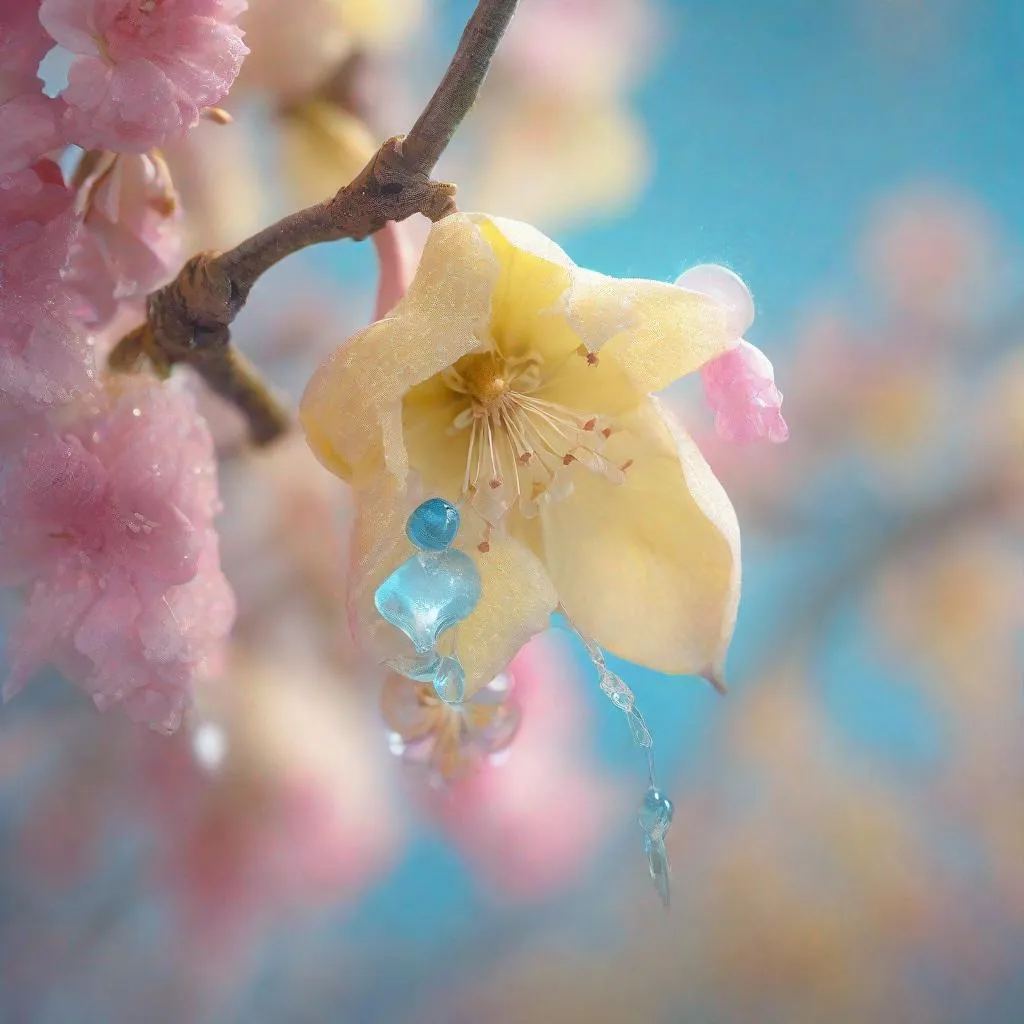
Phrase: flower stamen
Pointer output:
(519, 439)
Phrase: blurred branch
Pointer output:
(987, 497)
(188, 320)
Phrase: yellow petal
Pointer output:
(650, 569)
(654, 332)
(529, 316)
(516, 602)
(351, 410)
(535, 275)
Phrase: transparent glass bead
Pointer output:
(638, 727)
(449, 680)
(655, 813)
(433, 525)
(428, 594)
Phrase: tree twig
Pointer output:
(188, 320)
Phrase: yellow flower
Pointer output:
(518, 384)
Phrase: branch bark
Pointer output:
(189, 320)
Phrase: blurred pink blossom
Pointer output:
(531, 819)
(933, 256)
(44, 355)
(144, 71)
(293, 815)
(109, 517)
(578, 46)
(130, 239)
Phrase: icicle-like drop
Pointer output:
(655, 814)
(428, 594)
(655, 817)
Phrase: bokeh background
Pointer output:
(849, 834)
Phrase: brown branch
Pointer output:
(189, 320)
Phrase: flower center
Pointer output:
(482, 377)
(523, 449)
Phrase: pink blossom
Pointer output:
(28, 125)
(28, 119)
(531, 820)
(274, 824)
(934, 256)
(740, 389)
(146, 68)
(23, 40)
(130, 239)
(44, 355)
(109, 518)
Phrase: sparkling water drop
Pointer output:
(655, 814)
(428, 594)
(450, 680)
(433, 525)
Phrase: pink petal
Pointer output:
(161, 65)
(740, 390)
(112, 516)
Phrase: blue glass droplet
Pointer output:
(433, 525)
(428, 594)
(655, 813)
(450, 680)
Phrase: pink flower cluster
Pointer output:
(28, 119)
(44, 355)
(145, 69)
(107, 493)
(109, 522)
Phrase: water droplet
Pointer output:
(434, 525)
(450, 680)
(655, 814)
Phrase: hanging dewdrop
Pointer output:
(428, 594)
